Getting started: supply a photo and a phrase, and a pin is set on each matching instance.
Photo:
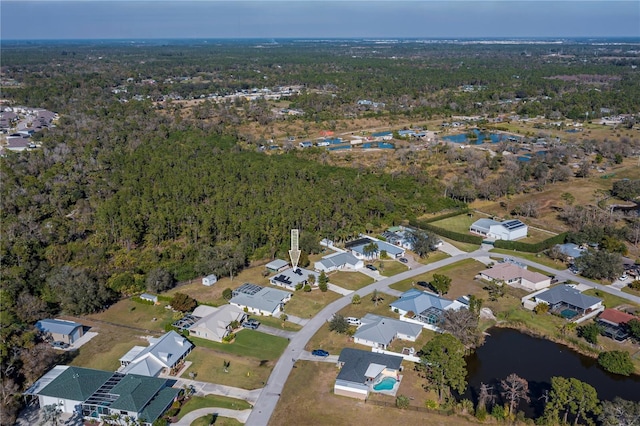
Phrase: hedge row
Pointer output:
(456, 236)
(531, 248)
(458, 212)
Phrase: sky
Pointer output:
(171, 19)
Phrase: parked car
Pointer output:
(319, 352)
(623, 277)
(251, 324)
(371, 267)
(423, 284)
(404, 260)
(60, 345)
(353, 321)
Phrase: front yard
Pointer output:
(307, 304)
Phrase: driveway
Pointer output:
(274, 331)
(206, 388)
(339, 290)
(307, 356)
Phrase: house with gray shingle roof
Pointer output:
(361, 370)
(567, 297)
(164, 353)
(291, 278)
(260, 300)
(97, 393)
(217, 324)
(424, 308)
(378, 331)
(337, 261)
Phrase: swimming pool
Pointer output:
(385, 384)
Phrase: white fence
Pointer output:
(407, 357)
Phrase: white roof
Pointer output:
(276, 264)
(163, 352)
(218, 321)
(374, 370)
(43, 381)
(202, 311)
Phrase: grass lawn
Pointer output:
(197, 402)
(276, 322)
(460, 223)
(466, 247)
(610, 300)
(306, 305)
(462, 276)
(534, 257)
(219, 421)
(246, 373)
(133, 314)
(104, 350)
(308, 399)
(334, 342)
(350, 280)
(389, 268)
(248, 343)
(434, 256)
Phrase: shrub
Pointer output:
(229, 338)
(431, 404)
(356, 299)
(617, 362)
(402, 401)
(227, 293)
(307, 288)
(635, 285)
(541, 308)
(299, 286)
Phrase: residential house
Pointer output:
(378, 331)
(512, 274)
(337, 261)
(164, 353)
(570, 250)
(209, 280)
(260, 300)
(361, 370)
(613, 324)
(277, 265)
(95, 393)
(216, 325)
(508, 230)
(291, 278)
(567, 301)
(360, 248)
(61, 330)
(424, 308)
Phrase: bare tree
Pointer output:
(514, 389)
(486, 396)
(463, 324)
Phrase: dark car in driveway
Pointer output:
(319, 352)
(371, 268)
(404, 260)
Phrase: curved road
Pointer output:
(266, 403)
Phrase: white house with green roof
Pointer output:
(96, 393)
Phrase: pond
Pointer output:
(509, 351)
(481, 138)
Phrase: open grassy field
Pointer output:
(462, 276)
(218, 421)
(306, 305)
(243, 372)
(433, 257)
(308, 399)
(350, 280)
(197, 402)
(248, 343)
(132, 314)
(468, 247)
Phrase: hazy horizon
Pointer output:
(419, 19)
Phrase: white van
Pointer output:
(353, 321)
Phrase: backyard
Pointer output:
(128, 313)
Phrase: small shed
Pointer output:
(61, 330)
(209, 280)
(149, 297)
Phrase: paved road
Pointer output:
(266, 403)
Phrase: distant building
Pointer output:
(424, 308)
(260, 300)
(291, 278)
(359, 248)
(277, 265)
(508, 230)
(338, 261)
(513, 274)
(149, 297)
(378, 331)
(209, 280)
(61, 330)
(567, 301)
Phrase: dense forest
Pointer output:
(127, 183)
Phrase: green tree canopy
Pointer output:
(443, 361)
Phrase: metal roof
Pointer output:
(57, 326)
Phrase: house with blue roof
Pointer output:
(424, 308)
(95, 394)
(60, 330)
(509, 230)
